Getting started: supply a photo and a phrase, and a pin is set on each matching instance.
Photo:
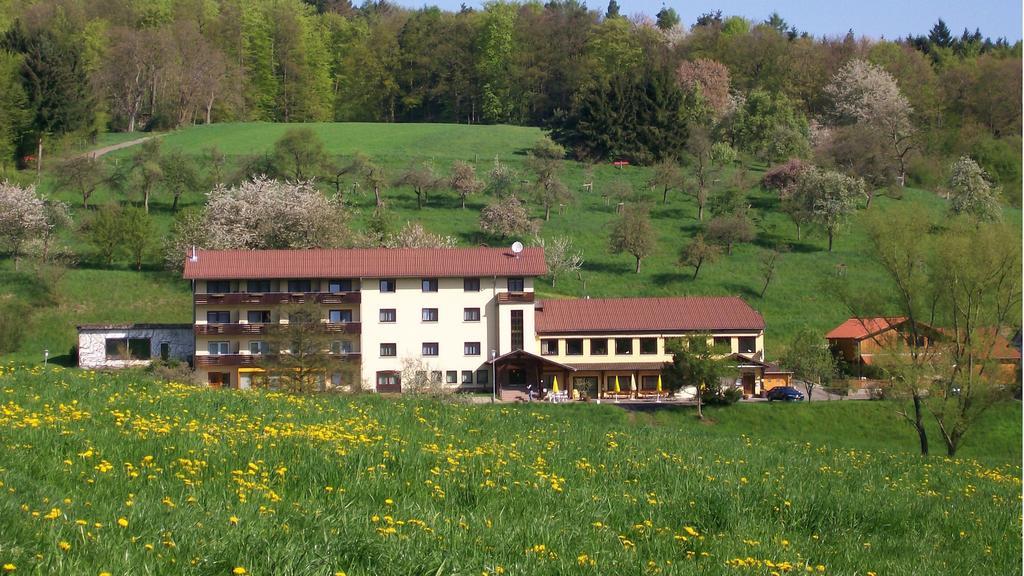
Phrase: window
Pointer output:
(482, 376)
(467, 376)
(471, 348)
(724, 343)
(429, 284)
(623, 383)
(574, 347)
(648, 382)
(340, 316)
(258, 286)
(388, 315)
(341, 347)
(218, 286)
(516, 284)
(258, 347)
(430, 349)
(300, 286)
(471, 314)
(339, 285)
(218, 317)
(624, 346)
(128, 348)
(549, 347)
(258, 316)
(165, 351)
(471, 284)
(336, 379)
(387, 285)
(389, 382)
(648, 345)
(598, 346)
(516, 326)
(388, 349)
(218, 348)
(435, 377)
(451, 377)
(430, 314)
(748, 344)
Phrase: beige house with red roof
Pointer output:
(464, 317)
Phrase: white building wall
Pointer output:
(92, 345)
(409, 331)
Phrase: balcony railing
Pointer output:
(515, 297)
(278, 298)
(256, 329)
(221, 360)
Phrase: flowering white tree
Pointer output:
(25, 216)
(560, 255)
(864, 93)
(971, 191)
(414, 235)
(504, 218)
(260, 214)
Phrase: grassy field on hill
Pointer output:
(110, 473)
(796, 297)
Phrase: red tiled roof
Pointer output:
(682, 314)
(861, 328)
(364, 263)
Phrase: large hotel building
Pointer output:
(467, 317)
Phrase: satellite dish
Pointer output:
(517, 247)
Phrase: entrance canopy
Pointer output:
(519, 356)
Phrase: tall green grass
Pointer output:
(208, 481)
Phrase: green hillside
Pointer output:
(796, 296)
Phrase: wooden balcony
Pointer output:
(229, 329)
(277, 298)
(257, 329)
(515, 297)
(233, 360)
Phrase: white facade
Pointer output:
(127, 345)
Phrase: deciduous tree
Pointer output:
(632, 233)
(560, 256)
(23, 216)
(506, 218)
(667, 176)
(710, 78)
(299, 154)
(697, 253)
(464, 181)
(82, 174)
(829, 197)
(810, 360)
(421, 179)
(971, 191)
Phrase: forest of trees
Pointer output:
(72, 68)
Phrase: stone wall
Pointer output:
(92, 344)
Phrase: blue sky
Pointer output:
(873, 18)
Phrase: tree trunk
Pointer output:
(700, 211)
(547, 213)
(637, 264)
(871, 196)
(700, 412)
(174, 204)
(419, 200)
(145, 198)
(830, 233)
(797, 231)
(463, 202)
(922, 434)
(664, 195)
(39, 157)
(696, 269)
(376, 195)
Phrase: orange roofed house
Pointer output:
(467, 318)
(858, 341)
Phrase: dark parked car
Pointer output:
(785, 393)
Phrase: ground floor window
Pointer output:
(649, 382)
(467, 376)
(585, 384)
(128, 348)
(624, 382)
(389, 382)
(482, 376)
(219, 379)
(451, 377)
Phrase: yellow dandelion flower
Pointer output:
(239, 570)
(122, 522)
(64, 545)
(233, 520)
(105, 574)
(8, 568)
(691, 531)
(389, 501)
(340, 573)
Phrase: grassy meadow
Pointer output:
(796, 297)
(110, 473)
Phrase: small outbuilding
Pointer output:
(128, 345)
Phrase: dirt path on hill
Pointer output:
(113, 147)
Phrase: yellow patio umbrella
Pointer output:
(617, 388)
(659, 383)
(554, 385)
